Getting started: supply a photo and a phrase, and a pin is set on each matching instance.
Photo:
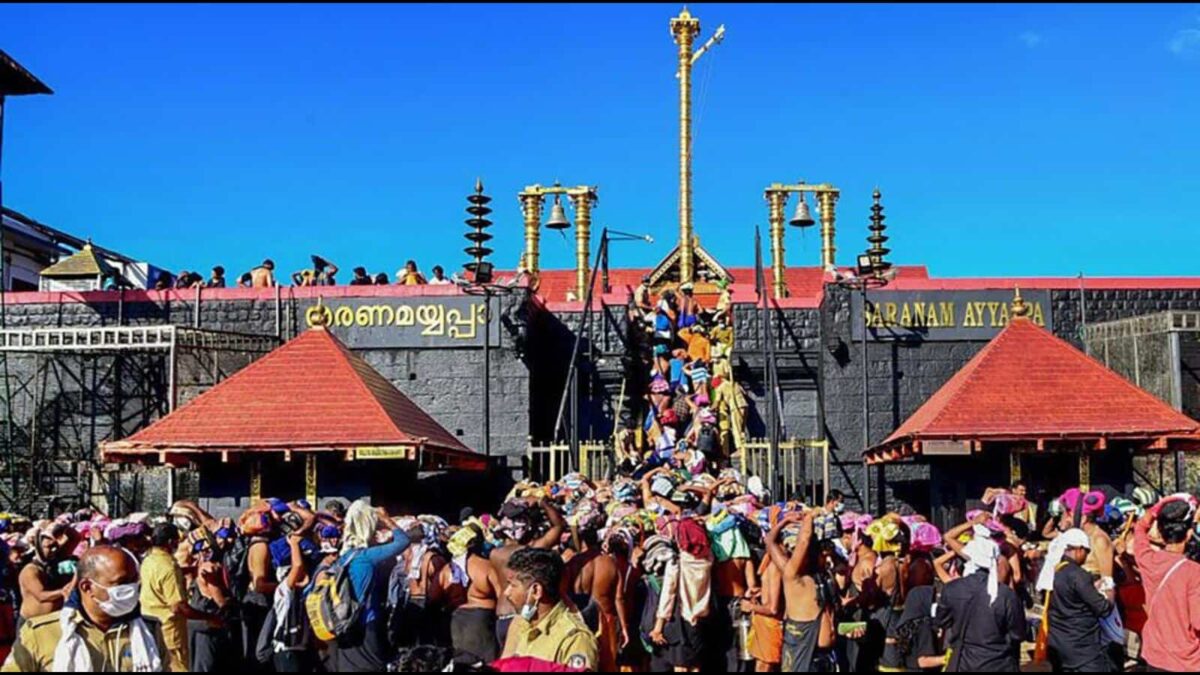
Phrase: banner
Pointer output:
(942, 315)
(417, 323)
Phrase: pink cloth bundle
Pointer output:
(1090, 503)
(1006, 504)
(925, 536)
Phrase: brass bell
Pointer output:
(558, 217)
(802, 218)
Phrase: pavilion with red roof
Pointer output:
(311, 396)
(1032, 393)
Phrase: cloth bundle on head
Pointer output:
(626, 491)
(1006, 503)
(519, 519)
(1145, 497)
(121, 528)
(1121, 509)
(435, 527)
(587, 516)
(827, 526)
(1072, 538)
(885, 535)
(754, 485)
(1078, 502)
(925, 536)
(726, 538)
(982, 554)
(768, 517)
(659, 552)
(662, 486)
(789, 536)
(993, 526)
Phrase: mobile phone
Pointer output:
(846, 628)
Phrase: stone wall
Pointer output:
(448, 383)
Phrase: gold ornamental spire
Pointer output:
(685, 28)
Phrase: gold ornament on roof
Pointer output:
(1019, 308)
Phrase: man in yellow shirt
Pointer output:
(545, 628)
(99, 630)
(164, 596)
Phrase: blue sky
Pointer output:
(1007, 139)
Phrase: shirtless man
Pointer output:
(499, 559)
(808, 630)
(473, 622)
(766, 610)
(596, 585)
(43, 588)
(422, 618)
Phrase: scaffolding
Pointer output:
(1160, 353)
(69, 389)
(1146, 350)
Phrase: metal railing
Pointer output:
(547, 463)
(797, 464)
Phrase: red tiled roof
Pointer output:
(1028, 385)
(310, 394)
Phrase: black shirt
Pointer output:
(1075, 612)
(985, 637)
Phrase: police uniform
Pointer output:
(110, 650)
(561, 637)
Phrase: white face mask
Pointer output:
(122, 599)
(529, 610)
(184, 524)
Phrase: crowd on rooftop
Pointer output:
(322, 273)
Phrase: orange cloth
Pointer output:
(608, 640)
(766, 639)
(699, 346)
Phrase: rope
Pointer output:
(708, 68)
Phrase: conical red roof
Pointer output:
(310, 394)
(1028, 385)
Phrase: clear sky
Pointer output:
(1007, 139)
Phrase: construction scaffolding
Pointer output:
(69, 389)
(1160, 353)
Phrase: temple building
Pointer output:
(885, 381)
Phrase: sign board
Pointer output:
(941, 315)
(946, 448)
(418, 323)
(385, 452)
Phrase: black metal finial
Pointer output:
(478, 223)
(877, 251)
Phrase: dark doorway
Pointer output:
(957, 484)
(1047, 475)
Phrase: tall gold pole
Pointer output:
(685, 28)
(777, 199)
(531, 206)
(827, 201)
(583, 240)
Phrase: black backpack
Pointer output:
(237, 562)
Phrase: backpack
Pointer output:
(333, 610)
